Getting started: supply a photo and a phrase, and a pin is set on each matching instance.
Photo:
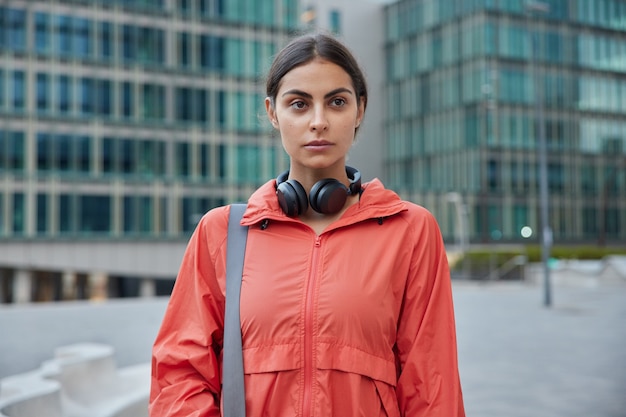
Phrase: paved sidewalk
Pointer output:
(517, 358)
(29, 333)
(521, 359)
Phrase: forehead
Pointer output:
(318, 74)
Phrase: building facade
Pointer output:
(123, 121)
(132, 117)
(127, 120)
(472, 87)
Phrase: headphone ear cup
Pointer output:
(292, 198)
(328, 196)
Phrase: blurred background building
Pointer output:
(122, 122)
(465, 115)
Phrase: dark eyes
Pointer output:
(334, 102)
(298, 105)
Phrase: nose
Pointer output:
(319, 121)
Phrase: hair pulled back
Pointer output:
(305, 49)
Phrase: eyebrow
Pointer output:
(327, 95)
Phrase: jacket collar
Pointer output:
(375, 202)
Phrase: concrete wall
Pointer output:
(41, 270)
(154, 259)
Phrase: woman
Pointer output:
(346, 306)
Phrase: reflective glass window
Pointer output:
(494, 221)
(128, 43)
(189, 214)
(153, 102)
(127, 156)
(108, 155)
(150, 45)
(265, 15)
(67, 213)
(86, 95)
(212, 52)
(146, 218)
(556, 180)
(19, 213)
(335, 21)
(42, 33)
(514, 42)
(19, 90)
(612, 224)
(83, 153)
(235, 57)
(183, 159)
(14, 29)
(2, 216)
(42, 213)
(184, 103)
(82, 37)
(138, 214)
(105, 97)
(95, 213)
(221, 108)
(493, 175)
(184, 5)
(205, 160)
(150, 156)
(63, 34)
(106, 40)
(184, 49)
(16, 150)
(590, 222)
(43, 92)
(214, 8)
(128, 100)
(553, 49)
(44, 152)
(63, 154)
(64, 94)
(248, 162)
(520, 218)
(4, 141)
(203, 106)
(2, 89)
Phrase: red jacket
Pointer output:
(357, 321)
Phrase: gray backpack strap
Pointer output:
(233, 392)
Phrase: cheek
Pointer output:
(348, 126)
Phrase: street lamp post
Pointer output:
(463, 235)
(534, 7)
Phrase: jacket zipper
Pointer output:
(309, 377)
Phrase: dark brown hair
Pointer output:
(306, 48)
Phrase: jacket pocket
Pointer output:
(388, 399)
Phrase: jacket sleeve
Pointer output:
(428, 381)
(186, 375)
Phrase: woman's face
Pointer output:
(316, 111)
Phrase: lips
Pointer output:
(318, 143)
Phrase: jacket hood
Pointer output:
(375, 202)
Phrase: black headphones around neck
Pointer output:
(327, 196)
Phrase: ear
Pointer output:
(271, 112)
(360, 112)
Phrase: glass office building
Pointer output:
(471, 87)
(133, 118)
